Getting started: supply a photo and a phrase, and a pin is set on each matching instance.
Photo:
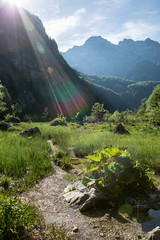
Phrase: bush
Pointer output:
(11, 118)
(98, 111)
(112, 171)
(60, 120)
(15, 215)
(62, 159)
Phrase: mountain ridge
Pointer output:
(108, 59)
(37, 76)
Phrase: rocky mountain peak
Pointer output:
(104, 58)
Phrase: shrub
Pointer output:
(15, 215)
(98, 111)
(11, 118)
(112, 171)
(60, 120)
(62, 159)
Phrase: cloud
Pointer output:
(57, 27)
(112, 3)
(77, 39)
(135, 30)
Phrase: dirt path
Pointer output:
(95, 224)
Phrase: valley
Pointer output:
(79, 134)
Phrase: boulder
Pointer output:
(4, 126)
(154, 234)
(16, 124)
(120, 129)
(29, 132)
(78, 195)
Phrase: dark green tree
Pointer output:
(16, 108)
(153, 106)
(45, 115)
(98, 111)
(5, 100)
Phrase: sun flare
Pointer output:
(15, 2)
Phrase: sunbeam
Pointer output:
(66, 98)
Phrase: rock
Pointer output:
(120, 129)
(154, 234)
(101, 234)
(78, 195)
(29, 132)
(16, 124)
(4, 126)
(75, 229)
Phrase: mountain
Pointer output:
(37, 76)
(135, 60)
(33, 70)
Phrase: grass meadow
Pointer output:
(25, 160)
(143, 143)
(28, 159)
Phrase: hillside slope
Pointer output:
(117, 93)
(33, 70)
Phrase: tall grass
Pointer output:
(29, 158)
(22, 157)
(142, 143)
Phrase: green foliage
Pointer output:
(142, 109)
(59, 120)
(45, 115)
(62, 159)
(112, 171)
(27, 118)
(15, 215)
(98, 111)
(129, 117)
(16, 109)
(24, 159)
(153, 106)
(143, 142)
(3, 107)
(76, 118)
(116, 117)
(58, 233)
(12, 118)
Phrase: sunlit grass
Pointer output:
(23, 158)
(29, 158)
(142, 143)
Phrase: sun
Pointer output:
(15, 2)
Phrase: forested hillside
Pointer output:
(33, 70)
(118, 93)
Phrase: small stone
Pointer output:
(95, 226)
(101, 234)
(75, 229)
(117, 237)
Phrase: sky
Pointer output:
(72, 22)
